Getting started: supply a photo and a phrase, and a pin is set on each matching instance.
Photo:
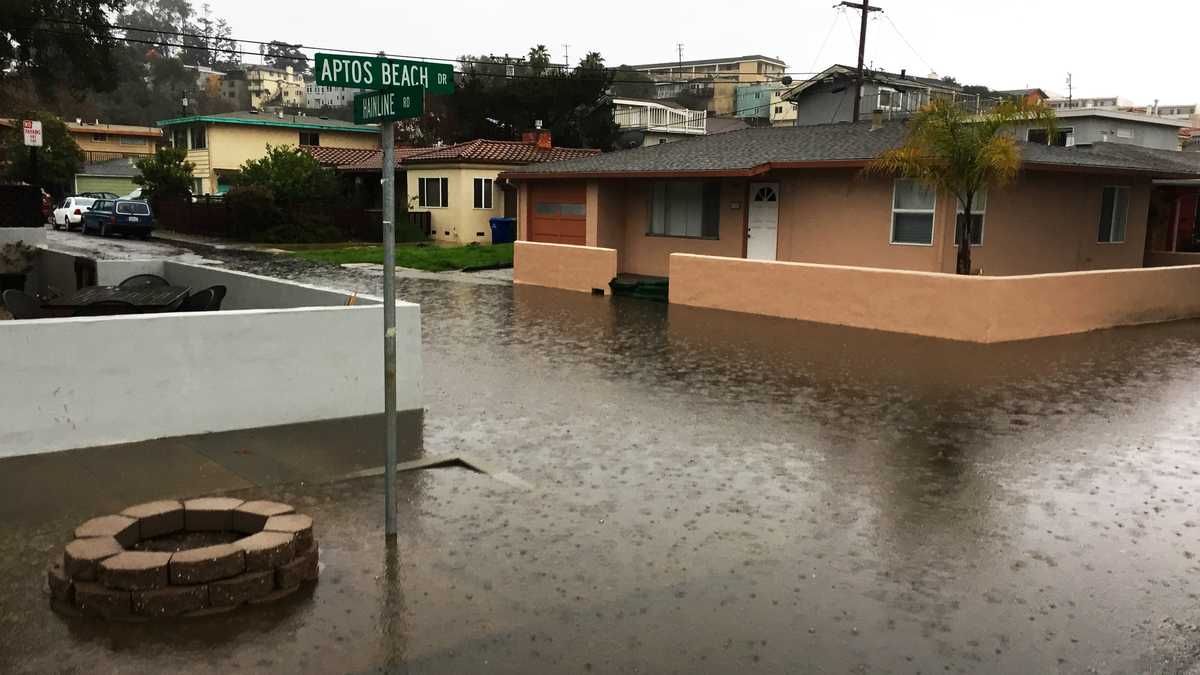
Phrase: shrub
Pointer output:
(293, 177)
(165, 175)
(253, 211)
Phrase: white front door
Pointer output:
(763, 221)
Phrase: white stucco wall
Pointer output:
(82, 382)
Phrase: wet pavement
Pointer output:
(715, 492)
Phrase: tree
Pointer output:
(633, 83)
(158, 21)
(53, 165)
(165, 175)
(292, 176)
(56, 44)
(282, 55)
(592, 61)
(539, 59)
(951, 150)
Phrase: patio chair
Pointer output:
(218, 295)
(107, 308)
(198, 301)
(22, 305)
(143, 281)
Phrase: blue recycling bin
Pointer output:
(504, 230)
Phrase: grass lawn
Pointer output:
(429, 258)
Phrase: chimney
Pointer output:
(876, 119)
(539, 137)
(903, 72)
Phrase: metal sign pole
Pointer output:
(387, 138)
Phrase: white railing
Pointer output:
(657, 117)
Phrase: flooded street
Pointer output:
(715, 492)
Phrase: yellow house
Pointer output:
(102, 142)
(457, 184)
(219, 144)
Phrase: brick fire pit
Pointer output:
(197, 557)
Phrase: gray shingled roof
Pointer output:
(753, 148)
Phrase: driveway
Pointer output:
(717, 492)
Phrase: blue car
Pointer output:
(118, 216)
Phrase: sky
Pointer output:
(1140, 51)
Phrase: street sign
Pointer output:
(396, 103)
(378, 72)
(33, 132)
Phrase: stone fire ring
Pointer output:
(101, 574)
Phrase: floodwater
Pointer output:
(715, 492)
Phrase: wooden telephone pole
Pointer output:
(865, 8)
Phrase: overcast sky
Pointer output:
(1142, 51)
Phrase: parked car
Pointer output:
(99, 195)
(119, 216)
(70, 213)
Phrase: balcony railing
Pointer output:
(657, 117)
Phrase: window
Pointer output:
(912, 213)
(131, 140)
(179, 138)
(197, 186)
(778, 109)
(560, 209)
(483, 193)
(199, 138)
(310, 138)
(685, 209)
(1124, 132)
(1064, 137)
(890, 99)
(978, 207)
(433, 192)
(100, 138)
(134, 208)
(1114, 211)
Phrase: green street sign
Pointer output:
(396, 103)
(377, 72)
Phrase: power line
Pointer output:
(828, 34)
(914, 49)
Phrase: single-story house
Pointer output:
(114, 175)
(457, 185)
(800, 194)
(218, 144)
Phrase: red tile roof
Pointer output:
(498, 152)
(355, 159)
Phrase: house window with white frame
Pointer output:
(433, 193)
(890, 99)
(483, 193)
(1064, 137)
(912, 213)
(1114, 214)
(978, 208)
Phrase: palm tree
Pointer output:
(953, 150)
(539, 59)
(592, 61)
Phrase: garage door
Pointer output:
(558, 213)
(119, 185)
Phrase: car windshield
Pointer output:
(133, 208)
(84, 201)
(100, 205)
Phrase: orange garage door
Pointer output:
(557, 213)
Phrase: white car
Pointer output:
(70, 212)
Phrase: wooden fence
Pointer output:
(214, 218)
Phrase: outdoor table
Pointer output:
(146, 298)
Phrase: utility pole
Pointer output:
(865, 9)
(567, 56)
(1070, 91)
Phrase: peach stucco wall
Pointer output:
(1171, 258)
(969, 308)
(641, 253)
(574, 268)
(1042, 222)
